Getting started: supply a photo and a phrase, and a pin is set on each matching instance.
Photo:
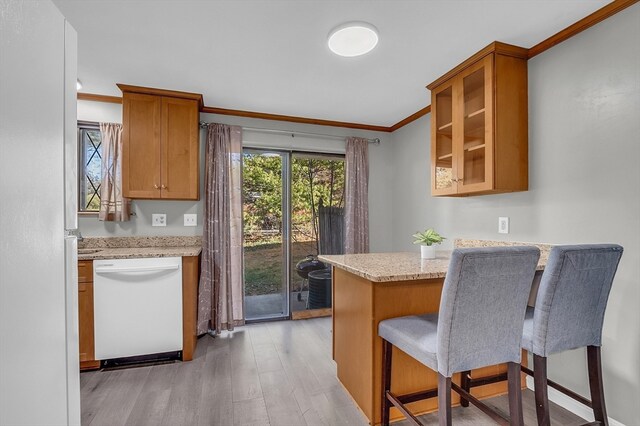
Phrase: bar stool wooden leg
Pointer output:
(466, 385)
(595, 385)
(516, 417)
(444, 400)
(541, 392)
(387, 350)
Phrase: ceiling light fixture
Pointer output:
(353, 39)
(78, 85)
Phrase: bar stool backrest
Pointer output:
(572, 297)
(482, 308)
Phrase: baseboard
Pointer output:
(570, 404)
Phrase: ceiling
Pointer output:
(272, 56)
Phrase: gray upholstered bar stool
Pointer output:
(569, 313)
(479, 324)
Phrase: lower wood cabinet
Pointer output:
(85, 315)
(190, 278)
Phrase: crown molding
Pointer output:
(598, 16)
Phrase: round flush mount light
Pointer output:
(353, 39)
(78, 85)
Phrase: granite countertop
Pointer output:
(386, 267)
(92, 248)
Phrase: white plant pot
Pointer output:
(428, 252)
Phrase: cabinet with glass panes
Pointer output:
(479, 125)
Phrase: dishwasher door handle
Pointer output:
(111, 270)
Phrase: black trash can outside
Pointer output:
(320, 289)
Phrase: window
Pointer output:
(89, 167)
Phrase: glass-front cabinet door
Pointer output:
(475, 161)
(462, 137)
(443, 166)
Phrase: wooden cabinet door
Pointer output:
(179, 149)
(443, 166)
(85, 321)
(474, 121)
(141, 145)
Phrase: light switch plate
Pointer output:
(158, 219)
(503, 225)
(190, 219)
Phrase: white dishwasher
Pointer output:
(137, 306)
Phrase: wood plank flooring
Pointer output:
(277, 373)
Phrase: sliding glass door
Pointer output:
(292, 211)
(317, 200)
(265, 231)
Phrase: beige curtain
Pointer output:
(356, 209)
(220, 299)
(113, 206)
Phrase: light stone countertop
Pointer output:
(93, 248)
(386, 267)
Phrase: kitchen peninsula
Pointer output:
(368, 288)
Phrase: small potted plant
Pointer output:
(427, 239)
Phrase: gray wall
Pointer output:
(380, 176)
(584, 151)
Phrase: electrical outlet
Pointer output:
(158, 219)
(190, 219)
(503, 225)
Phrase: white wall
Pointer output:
(584, 155)
(380, 175)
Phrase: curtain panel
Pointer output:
(356, 209)
(220, 299)
(113, 205)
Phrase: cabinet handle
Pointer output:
(164, 187)
(156, 186)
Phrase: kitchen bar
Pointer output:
(368, 288)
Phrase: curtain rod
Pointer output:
(292, 133)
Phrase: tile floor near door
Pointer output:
(277, 373)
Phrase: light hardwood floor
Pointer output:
(277, 373)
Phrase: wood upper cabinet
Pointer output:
(160, 141)
(479, 141)
(141, 145)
